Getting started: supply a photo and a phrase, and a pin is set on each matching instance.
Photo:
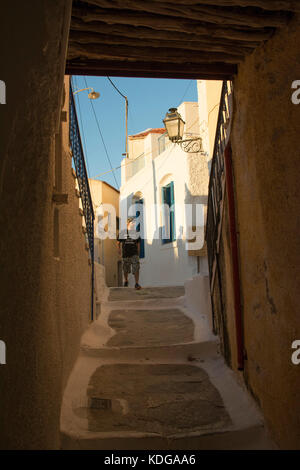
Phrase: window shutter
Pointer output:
(172, 213)
(141, 229)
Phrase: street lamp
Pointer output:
(174, 125)
(93, 95)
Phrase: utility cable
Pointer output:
(101, 135)
(125, 164)
(187, 89)
(110, 80)
(126, 114)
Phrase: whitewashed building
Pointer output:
(158, 172)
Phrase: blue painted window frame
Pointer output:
(138, 228)
(168, 198)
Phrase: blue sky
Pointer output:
(149, 100)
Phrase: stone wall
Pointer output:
(45, 294)
(266, 161)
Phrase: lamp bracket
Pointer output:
(191, 145)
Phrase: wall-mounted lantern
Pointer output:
(93, 95)
(174, 125)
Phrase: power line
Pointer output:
(162, 163)
(142, 154)
(116, 87)
(125, 164)
(126, 114)
(187, 89)
(197, 119)
(83, 134)
(105, 148)
(134, 160)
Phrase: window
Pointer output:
(163, 143)
(168, 234)
(141, 229)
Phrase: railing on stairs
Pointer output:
(216, 192)
(83, 183)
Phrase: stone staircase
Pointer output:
(150, 376)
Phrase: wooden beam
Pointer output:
(152, 69)
(147, 33)
(180, 56)
(86, 37)
(211, 14)
(159, 22)
(275, 5)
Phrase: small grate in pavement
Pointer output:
(99, 403)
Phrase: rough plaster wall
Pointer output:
(214, 88)
(101, 289)
(198, 175)
(39, 295)
(104, 193)
(266, 158)
(72, 273)
(65, 292)
(228, 337)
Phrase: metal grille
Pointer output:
(82, 178)
(217, 177)
(215, 193)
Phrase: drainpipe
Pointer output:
(234, 257)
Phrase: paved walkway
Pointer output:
(150, 376)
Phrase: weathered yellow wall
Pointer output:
(108, 251)
(213, 90)
(266, 159)
(45, 302)
(111, 196)
(96, 192)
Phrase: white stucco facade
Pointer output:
(154, 168)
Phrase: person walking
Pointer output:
(130, 252)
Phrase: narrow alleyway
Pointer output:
(150, 376)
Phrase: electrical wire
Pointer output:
(83, 135)
(187, 89)
(101, 135)
(197, 119)
(125, 164)
(162, 163)
(145, 154)
(110, 80)
(132, 161)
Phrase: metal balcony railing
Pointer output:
(132, 167)
(83, 182)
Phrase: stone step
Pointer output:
(178, 405)
(146, 324)
(180, 352)
(254, 438)
(175, 352)
(146, 293)
(150, 376)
